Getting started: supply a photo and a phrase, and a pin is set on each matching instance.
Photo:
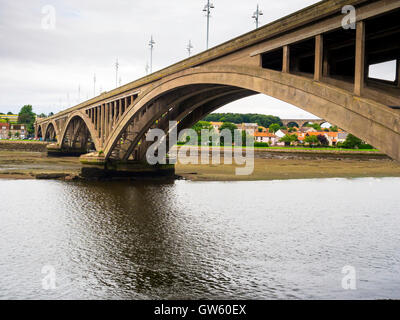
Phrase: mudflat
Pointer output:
(37, 165)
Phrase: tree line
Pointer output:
(27, 117)
(238, 118)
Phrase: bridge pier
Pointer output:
(96, 167)
(56, 150)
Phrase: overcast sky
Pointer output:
(45, 67)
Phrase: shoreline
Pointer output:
(25, 165)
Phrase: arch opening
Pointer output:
(77, 139)
(51, 135)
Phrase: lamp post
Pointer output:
(116, 73)
(256, 15)
(189, 48)
(207, 9)
(151, 44)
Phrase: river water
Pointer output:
(200, 240)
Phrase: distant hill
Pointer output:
(260, 119)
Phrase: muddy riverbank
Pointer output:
(37, 165)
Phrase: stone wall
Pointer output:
(28, 146)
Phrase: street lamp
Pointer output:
(151, 44)
(189, 48)
(256, 15)
(207, 9)
(116, 73)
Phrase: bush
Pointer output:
(261, 144)
(365, 146)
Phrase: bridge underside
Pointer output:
(319, 67)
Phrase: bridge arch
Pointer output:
(50, 132)
(79, 134)
(293, 124)
(371, 121)
(39, 132)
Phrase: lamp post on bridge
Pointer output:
(256, 16)
(190, 47)
(151, 44)
(116, 73)
(207, 9)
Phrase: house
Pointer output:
(267, 137)
(8, 131)
(216, 125)
(250, 128)
(4, 129)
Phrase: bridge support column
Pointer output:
(286, 59)
(319, 55)
(102, 131)
(360, 59)
(96, 167)
(398, 73)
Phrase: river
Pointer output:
(200, 240)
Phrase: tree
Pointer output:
(26, 116)
(334, 129)
(274, 127)
(9, 113)
(230, 126)
(260, 119)
(42, 115)
(316, 126)
(9, 134)
(323, 140)
(288, 139)
(352, 142)
(51, 114)
(17, 134)
(227, 126)
(311, 140)
(201, 125)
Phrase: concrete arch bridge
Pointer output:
(307, 59)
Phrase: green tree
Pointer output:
(26, 116)
(274, 127)
(230, 126)
(17, 134)
(227, 126)
(9, 113)
(9, 134)
(334, 129)
(199, 126)
(352, 142)
(288, 139)
(311, 140)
